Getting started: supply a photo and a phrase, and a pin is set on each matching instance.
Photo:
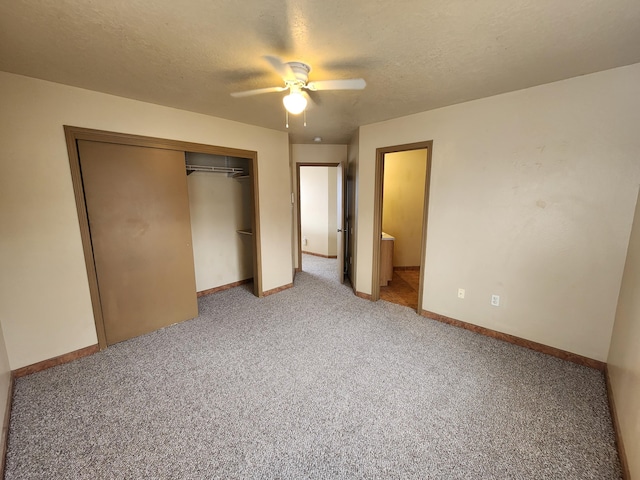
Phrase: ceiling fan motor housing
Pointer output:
(301, 72)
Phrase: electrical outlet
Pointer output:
(461, 293)
(495, 300)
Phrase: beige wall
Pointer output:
(403, 204)
(314, 209)
(624, 353)
(219, 206)
(45, 308)
(318, 210)
(532, 196)
(312, 153)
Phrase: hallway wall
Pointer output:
(318, 215)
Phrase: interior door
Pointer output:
(341, 223)
(138, 210)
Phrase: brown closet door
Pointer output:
(138, 209)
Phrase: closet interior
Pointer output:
(221, 208)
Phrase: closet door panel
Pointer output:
(138, 209)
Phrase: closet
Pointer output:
(221, 219)
(161, 220)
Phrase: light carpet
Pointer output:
(312, 383)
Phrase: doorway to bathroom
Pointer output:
(401, 208)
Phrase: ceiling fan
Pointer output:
(296, 80)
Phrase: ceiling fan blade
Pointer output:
(258, 91)
(283, 69)
(347, 84)
(310, 101)
(313, 98)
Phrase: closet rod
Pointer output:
(207, 168)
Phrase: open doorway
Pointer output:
(320, 213)
(401, 207)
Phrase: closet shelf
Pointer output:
(245, 232)
(230, 171)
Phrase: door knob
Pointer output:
(339, 230)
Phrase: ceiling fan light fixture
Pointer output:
(295, 102)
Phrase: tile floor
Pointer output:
(403, 289)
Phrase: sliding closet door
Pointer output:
(138, 209)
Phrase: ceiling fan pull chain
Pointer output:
(305, 118)
(286, 124)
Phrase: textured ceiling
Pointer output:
(415, 55)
